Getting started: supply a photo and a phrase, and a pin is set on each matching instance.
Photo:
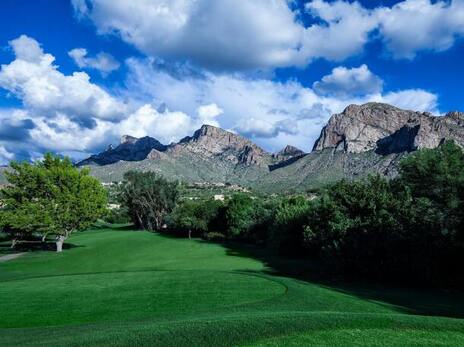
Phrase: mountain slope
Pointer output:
(371, 138)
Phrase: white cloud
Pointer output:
(344, 33)
(103, 62)
(207, 114)
(5, 156)
(217, 34)
(412, 99)
(412, 26)
(70, 114)
(271, 113)
(263, 34)
(344, 82)
(165, 127)
(33, 78)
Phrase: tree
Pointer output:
(149, 198)
(239, 215)
(193, 216)
(51, 197)
(437, 175)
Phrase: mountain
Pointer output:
(387, 129)
(129, 149)
(363, 139)
(288, 152)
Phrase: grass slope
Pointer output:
(124, 288)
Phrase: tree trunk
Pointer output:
(44, 237)
(190, 234)
(13, 243)
(59, 243)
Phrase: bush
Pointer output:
(117, 216)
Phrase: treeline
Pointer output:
(410, 228)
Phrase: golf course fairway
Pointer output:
(126, 288)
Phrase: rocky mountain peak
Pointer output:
(289, 151)
(388, 129)
(130, 149)
(213, 141)
(128, 139)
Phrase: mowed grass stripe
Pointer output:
(65, 299)
(125, 288)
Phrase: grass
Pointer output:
(126, 288)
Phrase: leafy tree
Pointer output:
(149, 198)
(437, 175)
(194, 216)
(51, 197)
(287, 226)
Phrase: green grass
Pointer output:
(125, 288)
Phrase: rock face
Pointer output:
(208, 141)
(211, 141)
(366, 139)
(288, 152)
(130, 149)
(387, 129)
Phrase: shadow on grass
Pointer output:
(32, 245)
(418, 301)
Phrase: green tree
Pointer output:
(437, 175)
(51, 197)
(193, 216)
(149, 198)
(239, 215)
(287, 226)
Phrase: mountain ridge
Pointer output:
(362, 139)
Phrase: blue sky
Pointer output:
(76, 75)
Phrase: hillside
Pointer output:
(365, 139)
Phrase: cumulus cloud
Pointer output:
(5, 156)
(271, 113)
(33, 78)
(217, 34)
(70, 114)
(344, 32)
(344, 82)
(412, 26)
(103, 62)
(207, 114)
(241, 34)
(167, 126)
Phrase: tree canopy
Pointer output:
(51, 197)
(148, 198)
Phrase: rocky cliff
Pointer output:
(129, 149)
(365, 139)
(387, 129)
(207, 142)
(211, 141)
(288, 152)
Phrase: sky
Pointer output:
(76, 75)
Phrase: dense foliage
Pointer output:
(194, 217)
(409, 228)
(50, 197)
(148, 198)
